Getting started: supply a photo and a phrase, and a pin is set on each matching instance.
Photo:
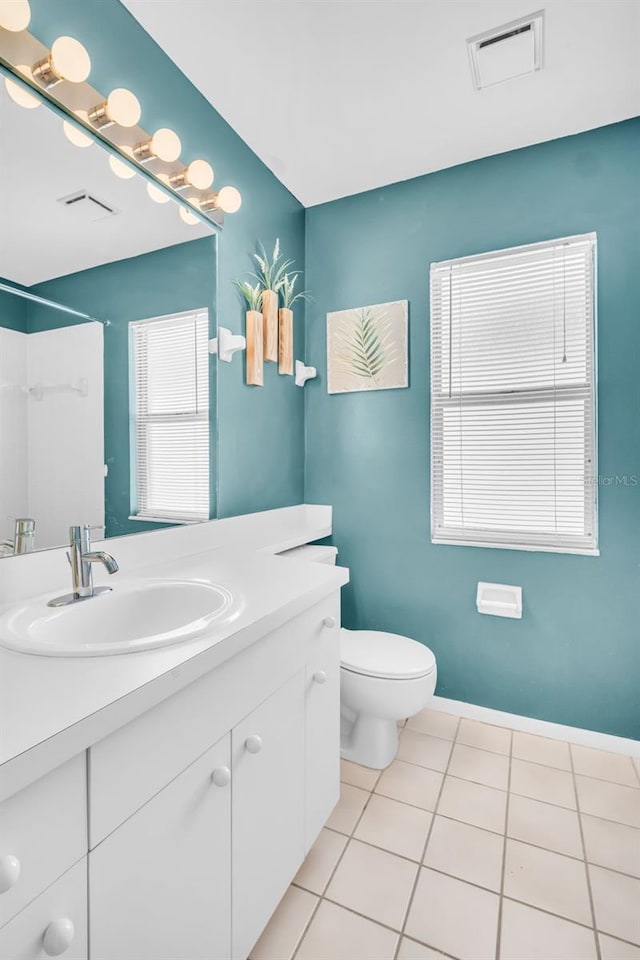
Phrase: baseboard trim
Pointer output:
(543, 728)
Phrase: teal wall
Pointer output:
(574, 658)
(261, 430)
(166, 281)
(14, 311)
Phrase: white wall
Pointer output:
(66, 431)
(13, 430)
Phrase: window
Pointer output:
(512, 398)
(170, 417)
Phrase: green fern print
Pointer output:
(364, 343)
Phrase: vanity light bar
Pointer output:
(68, 62)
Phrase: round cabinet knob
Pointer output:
(319, 676)
(329, 622)
(58, 937)
(221, 777)
(9, 872)
(253, 744)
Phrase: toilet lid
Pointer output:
(385, 655)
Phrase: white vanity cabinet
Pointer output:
(189, 857)
(160, 883)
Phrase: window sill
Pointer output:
(531, 548)
(173, 520)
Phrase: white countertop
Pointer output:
(53, 707)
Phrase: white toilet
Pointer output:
(384, 678)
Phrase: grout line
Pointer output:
(424, 849)
(504, 851)
(332, 874)
(585, 861)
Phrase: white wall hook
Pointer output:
(304, 373)
(226, 344)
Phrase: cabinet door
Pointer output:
(268, 810)
(54, 921)
(322, 728)
(160, 884)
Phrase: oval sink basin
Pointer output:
(134, 616)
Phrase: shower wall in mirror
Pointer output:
(87, 435)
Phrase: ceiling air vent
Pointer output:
(86, 208)
(512, 50)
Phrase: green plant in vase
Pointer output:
(271, 272)
(289, 296)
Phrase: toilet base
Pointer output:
(369, 741)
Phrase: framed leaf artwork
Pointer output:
(367, 348)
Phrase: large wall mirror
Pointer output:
(107, 303)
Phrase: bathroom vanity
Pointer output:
(178, 790)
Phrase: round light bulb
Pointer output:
(188, 217)
(123, 107)
(159, 196)
(76, 136)
(70, 60)
(122, 170)
(165, 145)
(15, 15)
(20, 96)
(200, 174)
(229, 200)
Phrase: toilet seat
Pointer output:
(388, 656)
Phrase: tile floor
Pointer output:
(477, 843)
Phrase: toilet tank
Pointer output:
(312, 553)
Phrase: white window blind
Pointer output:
(170, 416)
(512, 398)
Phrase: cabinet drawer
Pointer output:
(24, 937)
(44, 827)
(134, 763)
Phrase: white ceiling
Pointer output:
(340, 96)
(39, 238)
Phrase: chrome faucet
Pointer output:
(24, 537)
(81, 556)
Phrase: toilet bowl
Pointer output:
(384, 678)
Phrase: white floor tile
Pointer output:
(612, 949)
(348, 809)
(466, 852)
(374, 883)
(427, 751)
(395, 826)
(453, 916)
(484, 735)
(616, 903)
(473, 803)
(358, 776)
(410, 783)
(481, 766)
(611, 801)
(612, 845)
(529, 934)
(319, 864)
(551, 753)
(542, 783)
(436, 723)
(284, 931)
(547, 880)
(410, 950)
(604, 765)
(544, 825)
(337, 934)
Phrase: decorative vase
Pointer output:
(285, 341)
(254, 334)
(270, 314)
